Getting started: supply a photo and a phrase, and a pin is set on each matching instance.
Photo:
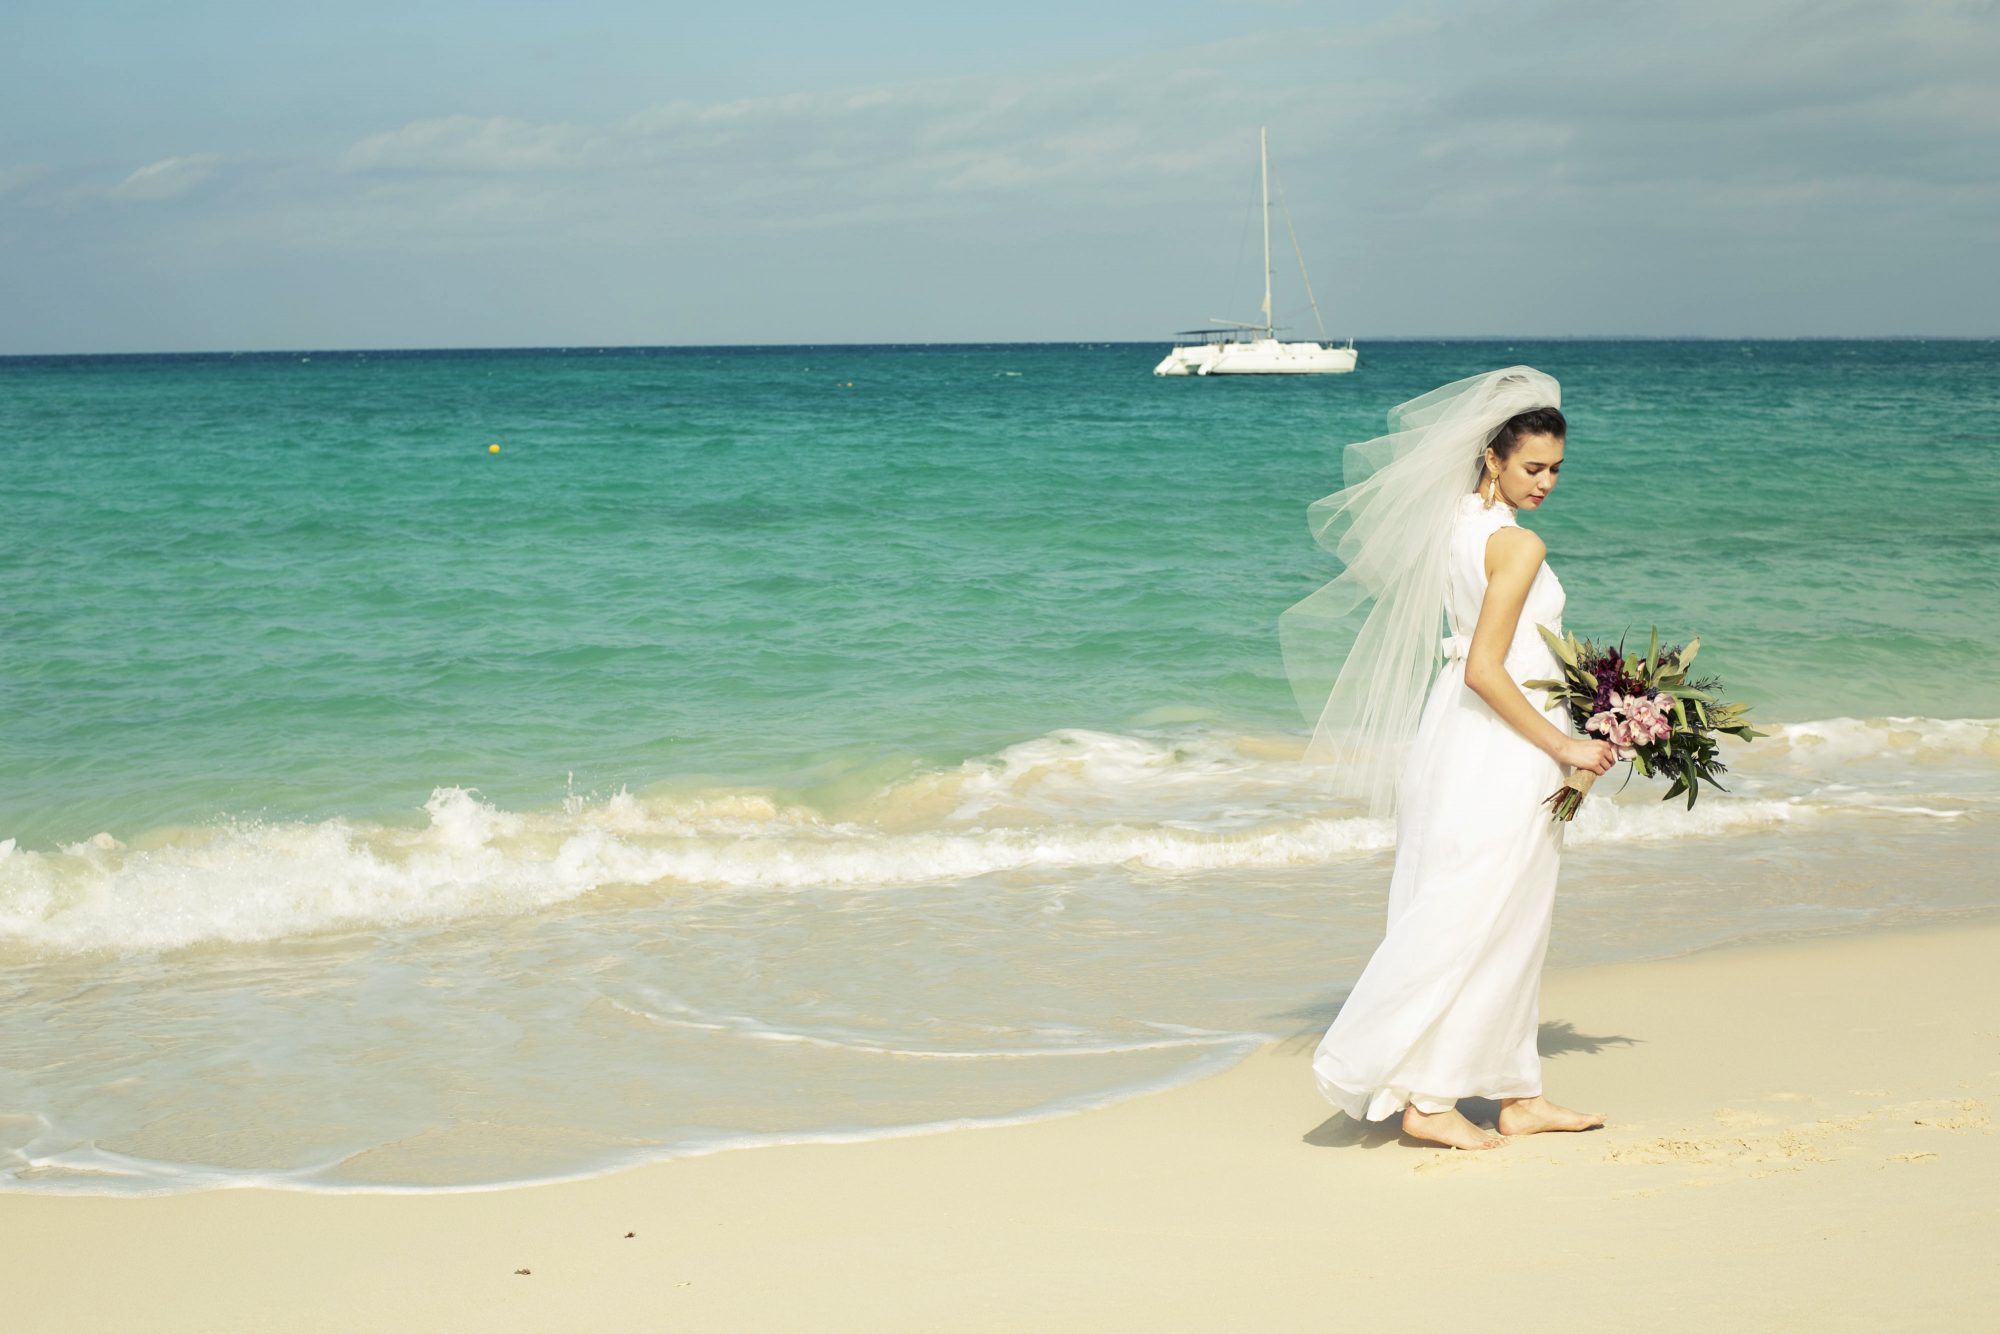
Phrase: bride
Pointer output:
(1447, 1006)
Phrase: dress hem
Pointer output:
(1379, 1104)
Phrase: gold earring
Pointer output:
(1494, 494)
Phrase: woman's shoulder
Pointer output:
(1508, 551)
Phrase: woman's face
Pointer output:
(1529, 474)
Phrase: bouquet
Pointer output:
(1656, 716)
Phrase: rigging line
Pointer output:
(1284, 209)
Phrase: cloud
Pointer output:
(470, 145)
(1010, 135)
(1579, 104)
(1715, 93)
(168, 178)
(1068, 144)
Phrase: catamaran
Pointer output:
(1233, 348)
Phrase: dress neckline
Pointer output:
(1474, 504)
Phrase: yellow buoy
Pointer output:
(493, 449)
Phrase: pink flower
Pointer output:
(1659, 717)
(1621, 734)
(1652, 718)
(1600, 722)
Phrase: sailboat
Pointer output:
(1232, 348)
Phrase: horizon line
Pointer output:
(994, 343)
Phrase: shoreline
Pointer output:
(1801, 1126)
(1212, 1067)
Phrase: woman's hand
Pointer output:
(1584, 753)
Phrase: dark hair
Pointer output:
(1535, 421)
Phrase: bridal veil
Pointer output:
(1360, 652)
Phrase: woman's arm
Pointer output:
(1513, 555)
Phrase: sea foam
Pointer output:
(1067, 801)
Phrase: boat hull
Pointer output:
(1185, 361)
(1264, 356)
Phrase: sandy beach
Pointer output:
(1800, 1137)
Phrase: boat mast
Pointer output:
(1264, 174)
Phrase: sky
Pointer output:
(216, 175)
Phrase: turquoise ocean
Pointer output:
(813, 743)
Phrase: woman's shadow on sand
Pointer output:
(1556, 1037)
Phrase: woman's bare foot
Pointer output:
(1449, 1128)
(1529, 1116)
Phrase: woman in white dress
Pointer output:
(1447, 1006)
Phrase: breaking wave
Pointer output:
(1067, 801)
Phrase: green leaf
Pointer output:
(1687, 654)
(1653, 652)
(1560, 647)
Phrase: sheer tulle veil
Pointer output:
(1360, 652)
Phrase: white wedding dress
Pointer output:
(1447, 1006)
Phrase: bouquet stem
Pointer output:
(1564, 800)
